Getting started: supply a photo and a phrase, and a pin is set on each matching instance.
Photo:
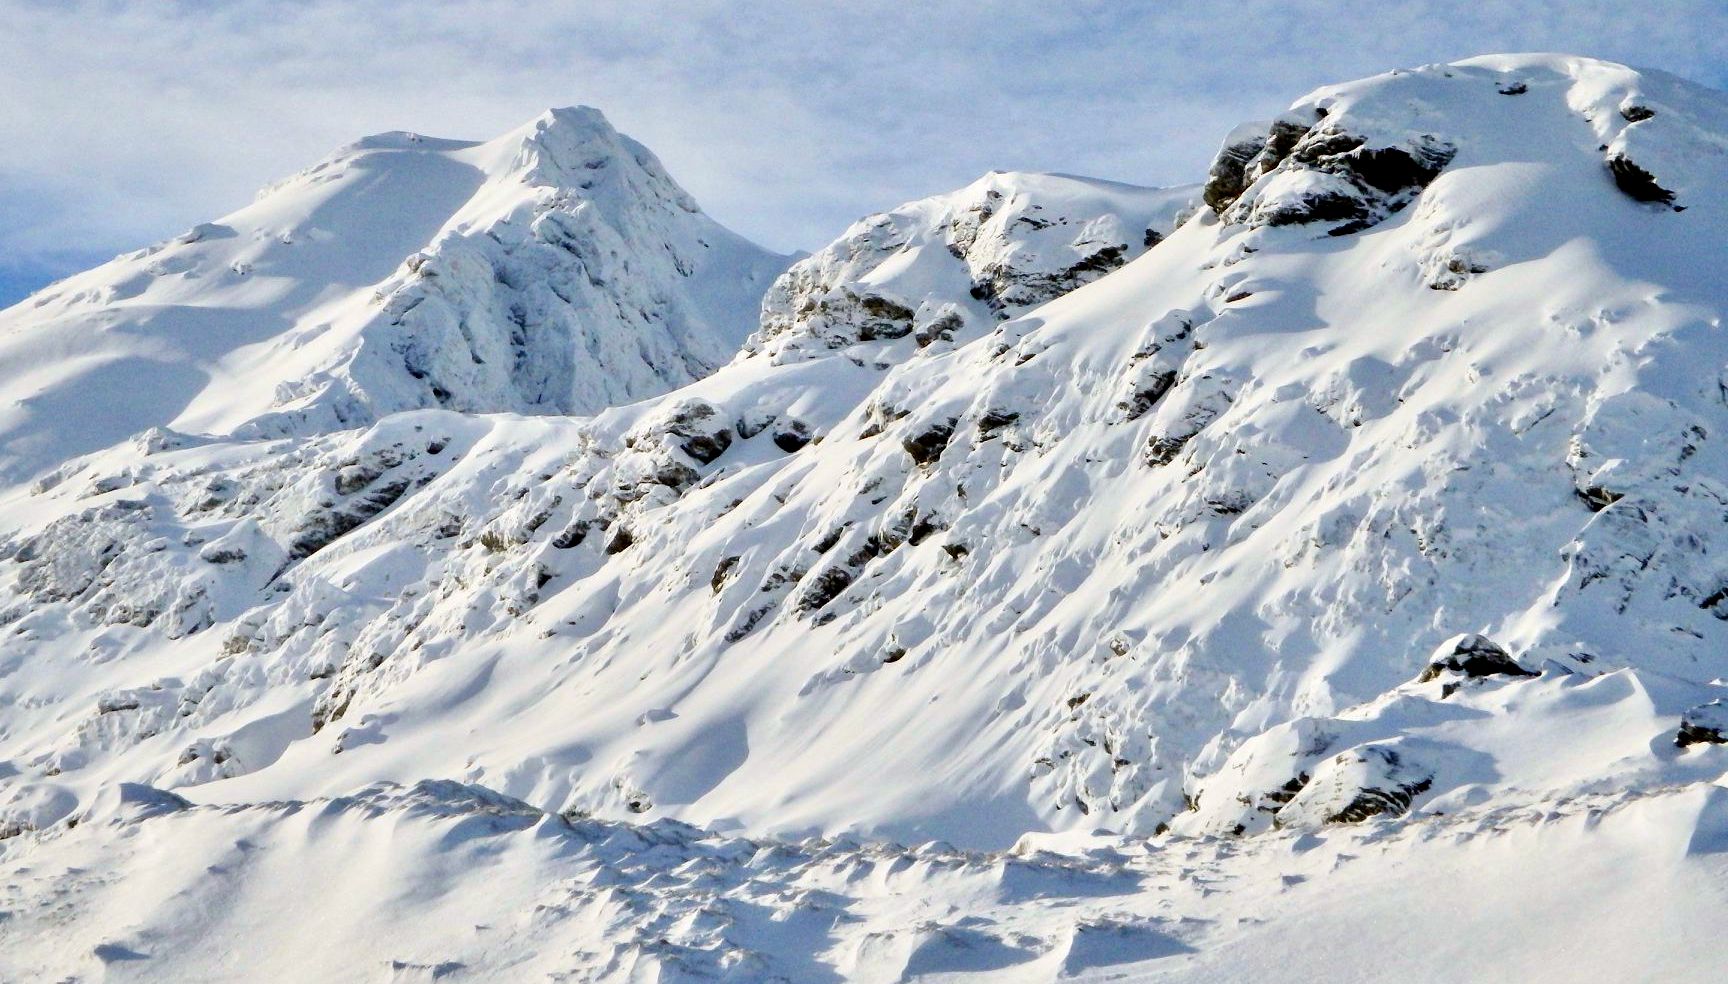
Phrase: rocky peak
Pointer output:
(950, 266)
(576, 149)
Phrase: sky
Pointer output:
(126, 121)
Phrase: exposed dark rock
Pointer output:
(1281, 140)
(1513, 89)
(1714, 603)
(707, 447)
(117, 702)
(1006, 289)
(1394, 798)
(926, 446)
(1228, 178)
(791, 435)
(886, 318)
(320, 529)
(1328, 206)
(722, 571)
(1706, 724)
(923, 529)
(1636, 114)
(1152, 389)
(1638, 183)
(1475, 656)
(222, 555)
(825, 587)
(1275, 800)
(830, 538)
(1162, 450)
(1599, 498)
(1395, 169)
(1376, 181)
(621, 540)
(573, 535)
(994, 420)
(939, 329)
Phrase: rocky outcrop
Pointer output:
(1361, 784)
(940, 268)
(1472, 657)
(1308, 168)
(1706, 724)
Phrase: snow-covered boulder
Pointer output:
(1706, 724)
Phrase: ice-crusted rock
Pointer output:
(947, 267)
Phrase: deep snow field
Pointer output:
(472, 562)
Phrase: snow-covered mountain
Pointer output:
(1220, 568)
(556, 269)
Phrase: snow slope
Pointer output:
(447, 882)
(1358, 542)
(556, 269)
(200, 543)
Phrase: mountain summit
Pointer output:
(556, 269)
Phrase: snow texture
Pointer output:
(1218, 582)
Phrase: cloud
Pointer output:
(128, 121)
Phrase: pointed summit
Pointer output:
(555, 269)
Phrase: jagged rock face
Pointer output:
(1183, 536)
(557, 269)
(1307, 168)
(946, 268)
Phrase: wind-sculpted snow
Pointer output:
(1385, 491)
(556, 269)
(452, 882)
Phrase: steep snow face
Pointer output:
(945, 268)
(1389, 484)
(180, 537)
(557, 269)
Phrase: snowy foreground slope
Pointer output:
(1317, 573)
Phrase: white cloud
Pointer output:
(127, 121)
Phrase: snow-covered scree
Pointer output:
(556, 269)
(1350, 526)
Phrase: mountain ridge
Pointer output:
(1331, 522)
